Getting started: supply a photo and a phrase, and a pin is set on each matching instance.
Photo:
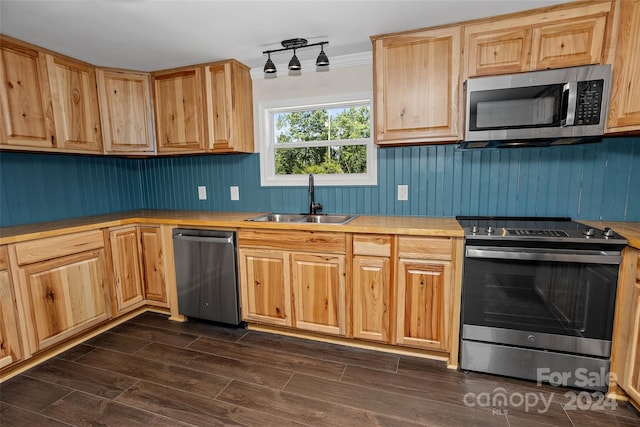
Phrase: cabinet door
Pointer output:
(230, 107)
(421, 303)
(498, 51)
(126, 112)
(25, 98)
(632, 386)
(65, 295)
(75, 104)
(155, 288)
(10, 349)
(371, 298)
(179, 111)
(319, 292)
(265, 287)
(125, 252)
(578, 41)
(624, 109)
(417, 87)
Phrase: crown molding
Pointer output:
(355, 59)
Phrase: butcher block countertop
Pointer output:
(630, 230)
(419, 226)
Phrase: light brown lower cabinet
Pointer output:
(421, 306)
(138, 264)
(10, 347)
(64, 296)
(633, 377)
(282, 285)
(127, 270)
(625, 360)
(153, 265)
(371, 297)
(265, 290)
(319, 292)
(371, 287)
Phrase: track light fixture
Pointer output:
(294, 63)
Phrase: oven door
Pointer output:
(553, 299)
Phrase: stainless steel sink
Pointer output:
(299, 218)
(279, 217)
(329, 219)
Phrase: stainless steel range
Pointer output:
(538, 299)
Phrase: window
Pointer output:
(328, 138)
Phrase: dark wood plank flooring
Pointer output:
(151, 371)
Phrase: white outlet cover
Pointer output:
(235, 192)
(403, 192)
(202, 192)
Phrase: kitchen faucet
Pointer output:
(314, 207)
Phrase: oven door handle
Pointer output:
(556, 255)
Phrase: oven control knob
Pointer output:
(531, 338)
(474, 229)
(608, 232)
(588, 232)
(490, 230)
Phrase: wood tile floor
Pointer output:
(153, 372)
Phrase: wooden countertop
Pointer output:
(630, 230)
(420, 226)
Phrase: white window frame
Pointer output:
(267, 111)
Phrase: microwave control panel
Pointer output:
(589, 102)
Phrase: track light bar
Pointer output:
(294, 63)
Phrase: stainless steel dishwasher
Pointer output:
(206, 274)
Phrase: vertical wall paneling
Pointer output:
(584, 181)
(46, 187)
(588, 181)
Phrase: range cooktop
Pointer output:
(551, 229)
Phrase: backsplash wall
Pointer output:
(589, 181)
(45, 187)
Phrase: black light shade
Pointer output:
(322, 60)
(269, 66)
(294, 64)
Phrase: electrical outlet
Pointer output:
(202, 192)
(235, 192)
(403, 192)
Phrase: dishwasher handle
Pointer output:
(206, 239)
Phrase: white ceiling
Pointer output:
(157, 34)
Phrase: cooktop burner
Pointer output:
(535, 229)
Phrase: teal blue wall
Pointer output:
(584, 181)
(46, 187)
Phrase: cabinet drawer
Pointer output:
(293, 240)
(424, 247)
(3, 258)
(371, 244)
(54, 247)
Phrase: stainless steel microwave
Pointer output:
(563, 106)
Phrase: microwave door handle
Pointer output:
(570, 93)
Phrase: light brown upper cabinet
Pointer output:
(553, 38)
(624, 109)
(126, 111)
(230, 107)
(417, 92)
(204, 108)
(179, 110)
(25, 98)
(75, 104)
